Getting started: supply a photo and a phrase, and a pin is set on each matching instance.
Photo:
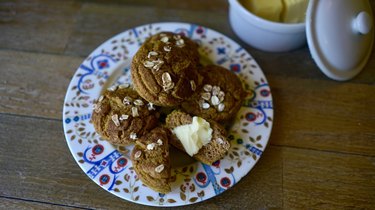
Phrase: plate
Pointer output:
(110, 167)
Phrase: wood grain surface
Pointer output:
(321, 153)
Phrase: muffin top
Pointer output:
(165, 69)
(220, 97)
(121, 116)
(151, 161)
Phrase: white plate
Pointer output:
(192, 183)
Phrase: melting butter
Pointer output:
(195, 135)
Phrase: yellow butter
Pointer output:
(287, 11)
(267, 9)
(194, 136)
(294, 11)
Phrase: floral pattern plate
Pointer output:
(110, 166)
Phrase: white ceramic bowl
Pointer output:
(264, 34)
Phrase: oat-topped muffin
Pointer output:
(151, 162)
(220, 97)
(214, 150)
(164, 69)
(121, 116)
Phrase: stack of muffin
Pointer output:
(166, 72)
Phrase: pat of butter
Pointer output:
(287, 11)
(294, 11)
(267, 9)
(195, 135)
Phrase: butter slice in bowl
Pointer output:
(267, 9)
(294, 11)
(204, 140)
(285, 11)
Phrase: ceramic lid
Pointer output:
(340, 36)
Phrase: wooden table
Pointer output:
(321, 153)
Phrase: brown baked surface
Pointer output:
(232, 91)
(146, 160)
(110, 104)
(164, 69)
(209, 153)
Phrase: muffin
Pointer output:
(165, 69)
(220, 97)
(121, 116)
(209, 153)
(151, 162)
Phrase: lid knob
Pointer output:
(363, 23)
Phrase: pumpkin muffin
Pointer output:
(165, 69)
(220, 97)
(151, 162)
(217, 147)
(121, 116)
